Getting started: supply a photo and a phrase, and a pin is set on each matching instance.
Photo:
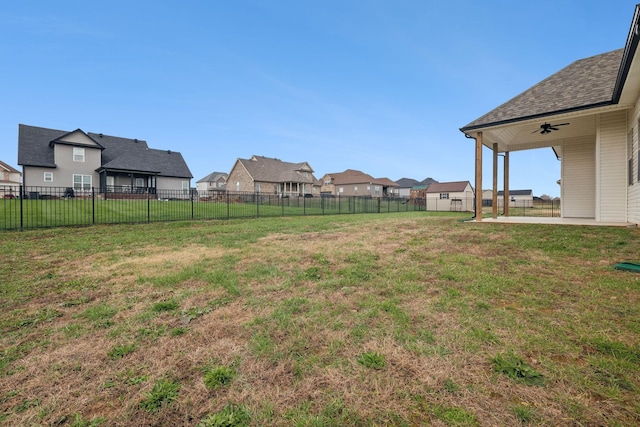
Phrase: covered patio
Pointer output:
(586, 113)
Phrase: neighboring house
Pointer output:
(589, 114)
(211, 184)
(10, 180)
(409, 186)
(517, 198)
(272, 176)
(405, 185)
(449, 196)
(53, 159)
(389, 188)
(353, 182)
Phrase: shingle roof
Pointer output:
(447, 187)
(386, 182)
(124, 154)
(213, 176)
(267, 169)
(351, 176)
(586, 83)
(8, 167)
(407, 182)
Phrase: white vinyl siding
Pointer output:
(612, 167)
(578, 179)
(633, 204)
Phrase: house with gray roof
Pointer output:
(353, 182)
(211, 184)
(268, 175)
(406, 185)
(589, 114)
(10, 180)
(86, 162)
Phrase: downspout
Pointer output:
(475, 190)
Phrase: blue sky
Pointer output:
(378, 86)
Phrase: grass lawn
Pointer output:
(391, 319)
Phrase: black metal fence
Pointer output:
(41, 207)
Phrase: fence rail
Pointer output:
(42, 207)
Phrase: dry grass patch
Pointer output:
(284, 310)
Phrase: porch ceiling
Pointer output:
(525, 135)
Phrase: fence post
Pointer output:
(148, 208)
(93, 205)
(21, 207)
(192, 202)
(228, 206)
(257, 204)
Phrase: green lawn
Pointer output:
(26, 214)
(404, 319)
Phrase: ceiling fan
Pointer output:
(547, 127)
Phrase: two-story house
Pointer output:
(84, 162)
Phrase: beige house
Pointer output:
(82, 162)
(353, 182)
(272, 176)
(10, 180)
(449, 196)
(211, 184)
(589, 114)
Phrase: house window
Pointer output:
(237, 185)
(444, 196)
(185, 187)
(82, 182)
(139, 182)
(78, 154)
(355, 190)
(327, 181)
(376, 190)
(257, 187)
(48, 177)
(341, 190)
